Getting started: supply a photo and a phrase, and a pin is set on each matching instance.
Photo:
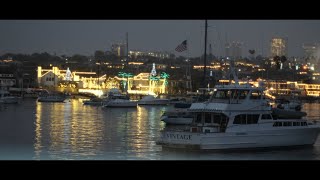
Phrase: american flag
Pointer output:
(182, 47)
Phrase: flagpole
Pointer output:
(188, 63)
(183, 47)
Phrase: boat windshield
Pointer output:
(230, 94)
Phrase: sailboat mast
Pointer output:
(99, 74)
(127, 48)
(205, 53)
(127, 39)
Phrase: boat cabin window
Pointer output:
(276, 124)
(234, 94)
(198, 118)
(243, 94)
(231, 94)
(266, 117)
(255, 94)
(221, 94)
(252, 118)
(287, 123)
(207, 118)
(240, 119)
(217, 118)
(246, 119)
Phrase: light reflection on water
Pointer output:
(34, 130)
(73, 131)
(68, 131)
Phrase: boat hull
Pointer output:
(51, 99)
(121, 103)
(115, 105)
(93, 103)
(154, 102)
(239, 140)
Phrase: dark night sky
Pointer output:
(85, 36)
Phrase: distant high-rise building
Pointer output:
(279, 47)
(234, 49)
(119, 49)
(311, 49)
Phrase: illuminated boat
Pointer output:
(238, 117)
(151, 100)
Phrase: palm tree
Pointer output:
(164, 76)
(125, 82)
(153, 81)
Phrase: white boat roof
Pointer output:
(151, 98)
(114, 90)
(219, 107)
(122, 100)
(237, 86)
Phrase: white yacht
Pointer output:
(237, 117)
(51, 98)
(120, 103)
(94, 102)
(151, 100)
(288, 109)
(103, 100)
(6, 98)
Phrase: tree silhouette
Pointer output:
(99, 55)
(283, 59)
(277, 60)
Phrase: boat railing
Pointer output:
(314, 119)
(176, 128)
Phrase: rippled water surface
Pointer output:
(34, 130)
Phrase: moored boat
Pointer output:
(177, 117)
(6, 98)
(239, 117)
(51, 98)
(120, 103)
(151, 100)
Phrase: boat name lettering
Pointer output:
(179, 136)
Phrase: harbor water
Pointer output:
(33, 130)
